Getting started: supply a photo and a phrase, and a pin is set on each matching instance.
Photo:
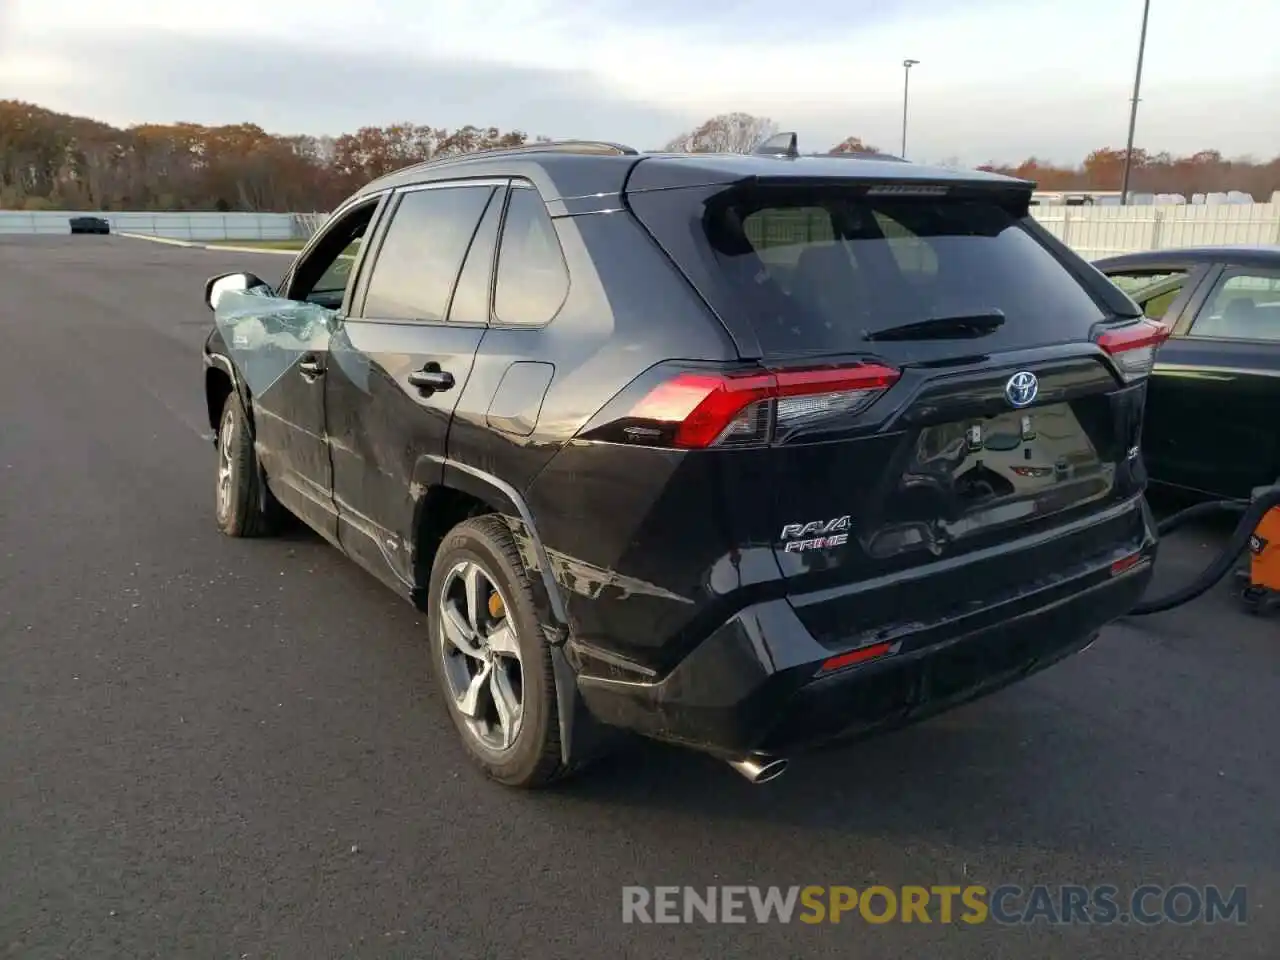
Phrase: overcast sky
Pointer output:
(998, 80)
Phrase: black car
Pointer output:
(745, 453)
(1214, 397)
(89, 225)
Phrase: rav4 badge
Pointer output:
(816, 534)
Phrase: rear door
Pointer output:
(400, 361)
(939, 386)
(1217, 387)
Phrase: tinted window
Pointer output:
(532, 277)
(419, 258)
(471, 299)
(1243, 306)
(819, 267)
(1156, 307)
(1135, 283)
(1154, 292)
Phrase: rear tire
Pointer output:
(244, 507)
(486, 639)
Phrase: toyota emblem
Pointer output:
(1022, 388)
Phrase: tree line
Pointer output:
(54, 161)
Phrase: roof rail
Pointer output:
(598, 147)
(862, 155)
(579, 146)
(601, 147)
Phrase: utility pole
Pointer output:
(906, 88)
(1133, 109)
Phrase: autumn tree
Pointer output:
(853, 145)
(52, 161)
(725, 133)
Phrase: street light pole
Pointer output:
(1133, 109)
(906, 87)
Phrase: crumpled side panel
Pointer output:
(350, 360)
(267, 335)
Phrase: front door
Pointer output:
(400, 360)
(281, 344)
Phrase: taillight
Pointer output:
(729, 409)
(861, 655)
(1133, 347)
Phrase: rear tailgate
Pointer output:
(1012, 411)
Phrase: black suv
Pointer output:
(744, 453)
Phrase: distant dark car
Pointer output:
(745, 453)
(1213, 403)
(90, 225)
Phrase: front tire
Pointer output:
(490, 657)
(244, 507)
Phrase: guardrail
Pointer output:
(171, 226)
(1094, 231)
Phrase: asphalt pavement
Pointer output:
(218, 748)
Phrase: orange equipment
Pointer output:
(1262, 591)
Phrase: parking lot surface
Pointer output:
(218, 748)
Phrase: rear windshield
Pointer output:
(820, 269)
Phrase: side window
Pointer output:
(337, 276)
(1154, 292)
(418, 260)
(1243, 306)
(324, 275)
(532, 278)
(471, 298)
(1156, 307)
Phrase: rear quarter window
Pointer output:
(532, 277)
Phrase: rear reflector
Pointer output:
(1125, 564)
(860, 655)
(725, 409)
(1133, 347)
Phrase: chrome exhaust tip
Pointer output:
(760, 769)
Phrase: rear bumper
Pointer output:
(757, 684)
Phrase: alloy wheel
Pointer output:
(480, 653)
(225, 440)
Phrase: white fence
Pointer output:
(1102, 231)
(173, 226)
(1105, 231)
(1093, 231)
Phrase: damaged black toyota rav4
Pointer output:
(745, 453)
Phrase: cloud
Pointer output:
(997, 81)
(289, 86)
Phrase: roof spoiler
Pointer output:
(781, 145)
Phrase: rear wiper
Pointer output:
(942, 328)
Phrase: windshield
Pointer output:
(826, 267)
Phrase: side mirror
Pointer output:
(229, 283)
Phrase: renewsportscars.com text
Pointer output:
(1007, 904)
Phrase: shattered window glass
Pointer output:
(267, 335)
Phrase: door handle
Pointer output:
(309, 366)
(431, 378)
